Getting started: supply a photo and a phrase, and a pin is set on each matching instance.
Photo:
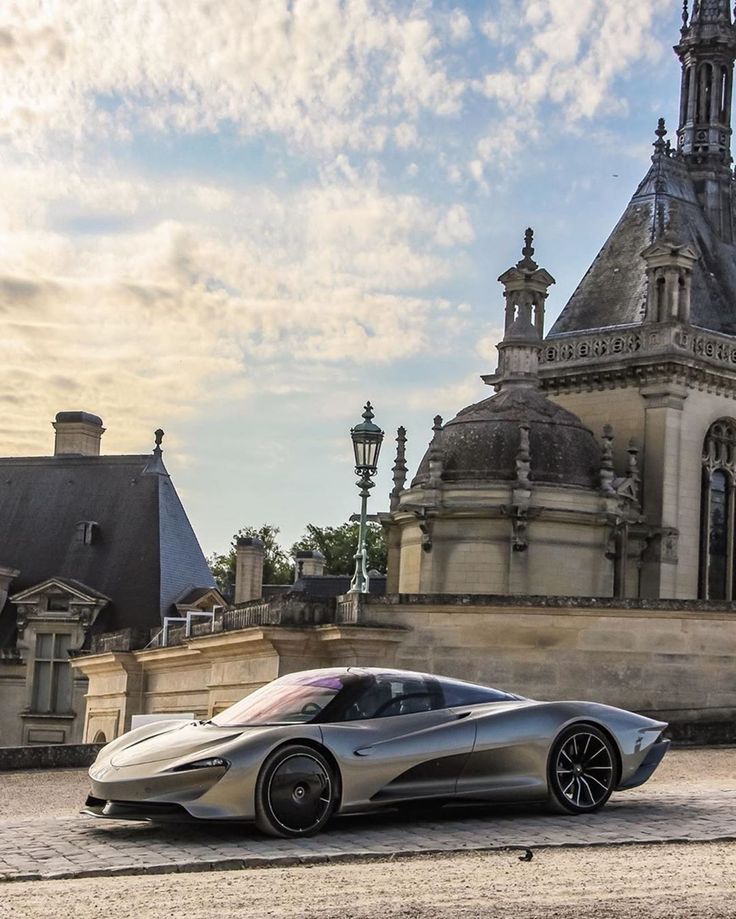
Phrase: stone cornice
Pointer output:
(640, 355)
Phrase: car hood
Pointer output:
(184, 740)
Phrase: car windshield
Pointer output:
(291, 699)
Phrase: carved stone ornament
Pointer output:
(669, 544)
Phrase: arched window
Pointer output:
(718, 504)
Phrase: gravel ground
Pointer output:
(632, 882)
(42, 793)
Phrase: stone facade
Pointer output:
(668, 659)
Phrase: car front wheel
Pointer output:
(582, 770)
(296, 792)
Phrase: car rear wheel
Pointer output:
(582, 770)
(296, 792)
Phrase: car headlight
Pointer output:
(212, 762)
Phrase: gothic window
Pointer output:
(52, 674)
(725, 101)
(661, 317)
(718, 505)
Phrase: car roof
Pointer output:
(375, 671)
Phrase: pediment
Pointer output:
(75, 590)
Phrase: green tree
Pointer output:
(338, 545)
(277, 567)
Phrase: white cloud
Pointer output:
(461, 28)
(326, 74)
(207, 293)
(570, 52)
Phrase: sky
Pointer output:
(240, 220)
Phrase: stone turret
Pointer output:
(707, 51)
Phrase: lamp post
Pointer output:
(367, 438)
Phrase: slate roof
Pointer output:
(613, 292)
(145, 554)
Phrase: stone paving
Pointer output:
(81, 846)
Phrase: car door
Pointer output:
(400, 743)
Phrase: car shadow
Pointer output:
(393, 818)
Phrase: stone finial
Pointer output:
(400, 469)
(435, 455)
(159, 435)
(528, 251)
(523, 457)
(660, 146)
(607, 473)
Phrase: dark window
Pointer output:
(718, 536)
(388, 696)
(52, 674)
(57, 604)
(459, 693)
(717, 528)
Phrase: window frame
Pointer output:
(719, 458)
(56, 666)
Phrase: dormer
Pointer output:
(58, 600)
(670, 277)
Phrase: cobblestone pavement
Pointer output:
(84, 847)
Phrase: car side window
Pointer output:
(391, 696)
(459, 693)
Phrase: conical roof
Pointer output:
(613, 292)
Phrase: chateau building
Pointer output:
(513, 496)
(571, 535)
(88, 544)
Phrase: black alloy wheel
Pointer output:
(296, 792)
(582, 770)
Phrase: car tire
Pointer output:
(296, 793)
(583, 770)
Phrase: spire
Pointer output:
(709, 11)
(526, 288)
(400, 468)
(707, 50)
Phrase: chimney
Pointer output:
(77, 434)
(309, 564)
(249, 555)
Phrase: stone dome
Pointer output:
(482, 442)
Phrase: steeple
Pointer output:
(707, 51)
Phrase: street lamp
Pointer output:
(367, 439)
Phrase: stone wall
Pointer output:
(57, 756)
(668, 659)
(662, 659)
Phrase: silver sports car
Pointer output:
(324, 742)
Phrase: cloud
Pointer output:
(572, 52)
(568, 54)
(244, 292)
(326, 74)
